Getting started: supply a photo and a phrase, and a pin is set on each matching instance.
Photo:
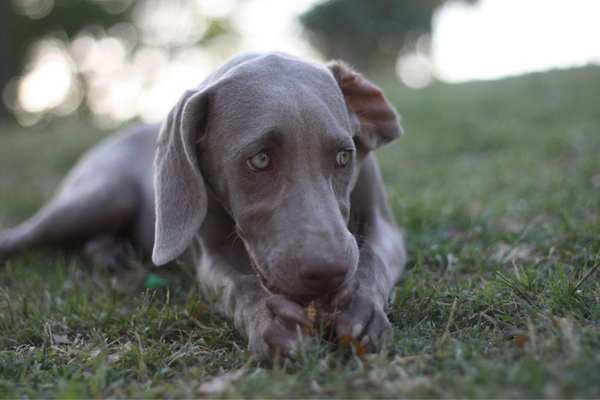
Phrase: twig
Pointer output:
(588, 274)
(450, 321)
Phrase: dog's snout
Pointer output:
(323, 277)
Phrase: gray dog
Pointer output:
(264, 176)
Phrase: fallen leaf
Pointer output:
(349, 341)
(506, 253)
(95, 353)
(60, 339)
(520, 340)
(113, 358)
(567, 327)
(221, 383)
(312, 313)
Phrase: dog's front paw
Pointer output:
(362, 322)
(7, 246)
(278, 329)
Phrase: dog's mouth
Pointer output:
(270, 288)
(256, 266)
(301, 299)
(273, 289)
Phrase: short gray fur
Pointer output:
(264, 243)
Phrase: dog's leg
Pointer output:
(74, 216)
(110, 253)
(117, 256)
(271, 323)
(10, 241)
(382, 259)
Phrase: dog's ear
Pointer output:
(378, 122)
(179, 188)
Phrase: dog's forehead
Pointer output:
(279, 91)
(271, 70)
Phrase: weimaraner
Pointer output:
(264, 176)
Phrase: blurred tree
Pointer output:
(69, 32)
(4, 55)
(23, 22)
(368, 33)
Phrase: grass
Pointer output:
(497, 186)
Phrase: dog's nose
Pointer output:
(323, 277)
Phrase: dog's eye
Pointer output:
(343, 158)
(259, 162)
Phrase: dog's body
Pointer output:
(105, 203)
(264, 177)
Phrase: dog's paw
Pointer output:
(109, 253)
(6, 246)
(278, 329)
(363, 323)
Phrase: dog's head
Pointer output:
(277, 142)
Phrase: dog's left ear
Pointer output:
(377, 119)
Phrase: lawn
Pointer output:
(497, 186)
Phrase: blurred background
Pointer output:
(120, 60)
(496, 184)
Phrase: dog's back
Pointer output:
(108, 193)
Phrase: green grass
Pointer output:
(497, 186)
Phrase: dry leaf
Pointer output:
(60, 339)
(349, 341)
(520, 340)
(506, 253)
(312, 314)
(113, 358)
(95, 353)
(518, 337)
(319, 315)
(221, 383)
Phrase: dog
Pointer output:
(264, 177)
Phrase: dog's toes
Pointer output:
(7, 246)
(280, 338)
(352, 320)
(288, 311)
(109, 253)
(378, 333)
(363, 324)
(131, 279)
(278, 330)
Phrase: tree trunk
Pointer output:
(5, 73)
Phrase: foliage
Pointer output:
(65, 18)
(22, 28)
(137, 25)
(368, 34)
(496, 185)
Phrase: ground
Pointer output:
(497, 186)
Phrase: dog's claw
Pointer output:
(363, 321)
(278, 330)
(288, 311)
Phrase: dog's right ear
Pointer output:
(179, 188)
